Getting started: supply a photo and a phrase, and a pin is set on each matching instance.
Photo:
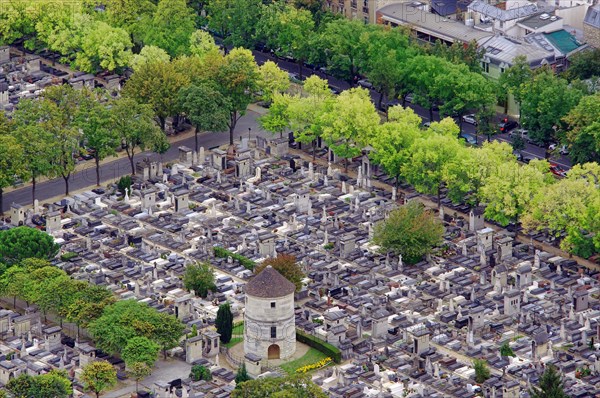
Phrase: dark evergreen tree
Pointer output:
(224, 322)
(550, 385)
(241, 375)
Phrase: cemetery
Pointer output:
(400, 330)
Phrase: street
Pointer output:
(111, 171)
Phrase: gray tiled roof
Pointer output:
(269, 284)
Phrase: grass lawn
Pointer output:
(233, 341)
(237, 331)
(311, 356)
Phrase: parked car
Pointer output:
(471, 140)
(524, 134)
(562, 149)
(365, 83)
(295, 77)
(557, 170)
(506, 125)
(470, 118)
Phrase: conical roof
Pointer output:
(269, 284)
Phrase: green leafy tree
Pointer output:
(157, 84)
(13, 282)
(430, 156)
(54, 384)
(509, 191)
(224, 323)
(350, 123)
(202, 44)
(550, 385)
(545, 101)
(205, 107)
(506, 351)
(291, 386)
(103, 46)
(134, 125)
(341, 38)
(93, 119)
(421, 78)
(238, 79)
(583, 132)
(566, 208)
(200, 278)
(287, 266)
(234, 20)
(140, 349)
(411, 231)
(394, 138)
(17, 244)
(149, 54)
(139, 371)
(171, 27)
(584, 65)
(513, 79)
(88, 304)
(126, 319)
(99, 376)
(17, 20)
(273, 81)
(241, 375)
(482, 372)
(458, 53)
(199, 372)
(12, 162)
(40, 148)
(277, 119)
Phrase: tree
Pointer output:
(13, 282)
(410, 231)
(40, 148)
(291, 386)
(273, 81)
(127, 319)
(350, 124)
(234, 20)
(171, 27)
(17, 244)
(157, 84)
(430, 156)
(139, 371)
(202, 44)
(200, 278)
(393, 139)
(134, 124)
(564, 209)
(224, 323)
(93, 119)
(277, 119)
(482, 372)
(241, 375)
(103, 46)
(458, 53)
(550, 385)
(140, 349)
(584, 65)
(288, 30)
(513, 79)
(583, 133)
(509, 191)
(12, 162)
(205, 107)
(341, 37)
(199, 372)
(99, 376)
(506, 351)
(54, 384)
(421, 79)
(238, 79)
(287, 266)
(88, 304)
(545, 101)
(147, 55)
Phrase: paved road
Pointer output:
(113, 170)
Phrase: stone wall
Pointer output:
(591, 35)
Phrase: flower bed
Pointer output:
(317, 365)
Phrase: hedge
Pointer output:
(320, 345)
(244, 261)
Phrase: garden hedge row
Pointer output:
(244, 261)
(320, 345)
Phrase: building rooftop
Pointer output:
(592, 16)
(449, 7)
(563, 41)
(269, 284)
(427, 22)
(538, 21)
(498, 12)
(504, 50)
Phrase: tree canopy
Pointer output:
(200, 278)
(18, 244)
(287, 266)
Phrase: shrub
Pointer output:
(244, 261)
(333, 352)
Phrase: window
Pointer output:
(272, 304)
(485, 66)
(273, 332)
(502, 70)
